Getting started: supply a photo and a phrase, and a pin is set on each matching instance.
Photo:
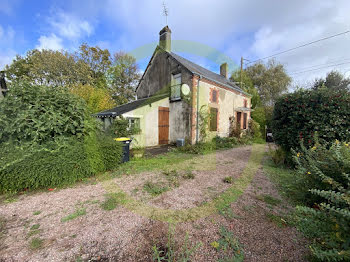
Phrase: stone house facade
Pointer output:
(171, 94)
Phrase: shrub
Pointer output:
(111, 152)
(37, 167)
(56, 164)
(258, 115)
(299, 115)
(39, 114)
(224, 142)
(327, 172)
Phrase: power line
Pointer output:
(325, 64)
(300, 72)
(300, 46)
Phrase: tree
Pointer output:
(247, 86)
(271, 80)
(98, 61)
(47, 67)
(122, 77)
(97, 99)
(334, 80)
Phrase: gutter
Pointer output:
(197, 115)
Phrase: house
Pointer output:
(171, 94)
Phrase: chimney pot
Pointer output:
(165, 39)
(224, 70)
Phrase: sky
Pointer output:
(207, 32)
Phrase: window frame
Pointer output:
(175, 88)
(130, 124)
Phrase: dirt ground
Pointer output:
(70, 225)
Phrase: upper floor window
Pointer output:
(245, 103)
(214, 96)
(175, 88)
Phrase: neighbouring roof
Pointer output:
(197, 69)
(119, 110)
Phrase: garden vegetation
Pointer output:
(49, 139)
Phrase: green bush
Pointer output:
(111, 152)
(258, 115)
(327, 172)
(298, 116)
(39, 114)
(56, 164)
(224, 142)
(47, 166)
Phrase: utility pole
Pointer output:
(241, 72)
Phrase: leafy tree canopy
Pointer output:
(97, 99)
(122, 77)
(270, 80)
(334, 80)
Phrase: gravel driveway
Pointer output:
(70, 224)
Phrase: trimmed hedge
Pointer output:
(56, 164)
(298, 116)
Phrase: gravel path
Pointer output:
(73, 226)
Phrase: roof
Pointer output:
(197, 69)
(119, 110)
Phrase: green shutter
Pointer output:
(213, 119)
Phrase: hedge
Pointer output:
(298, 116)
(55, 164)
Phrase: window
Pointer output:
(239, 115)
(213, 119)
(245, 103)
(214, 96)
(134, 123)
(244, 120)
(175, 88)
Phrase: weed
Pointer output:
(154, 189)
(278, 220)
(35, 213)
(232, 250)
(172, 252)
(36, 243)
(228, 214)
(228, 180)
(79, 212)
(188, 175)
(269, 200)
(35, 227)
(170, 173)
(110, 203)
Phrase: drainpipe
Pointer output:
(197, 115)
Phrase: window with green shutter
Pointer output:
(213, 119)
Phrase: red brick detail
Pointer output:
(224, 87)
(211, 95)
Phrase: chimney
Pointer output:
(224, 70)
(165, 39)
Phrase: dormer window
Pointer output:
(175, 88)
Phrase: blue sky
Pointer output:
(252, 29)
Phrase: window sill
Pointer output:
(175, 100)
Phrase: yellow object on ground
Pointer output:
(122, 139)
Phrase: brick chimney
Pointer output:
(165, 39)
(224, 70)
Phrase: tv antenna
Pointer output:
(165, 13)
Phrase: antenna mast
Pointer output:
(165, 13)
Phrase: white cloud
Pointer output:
(50, 42)
(70, 26)
(251, 29)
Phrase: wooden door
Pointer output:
(163, 125)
